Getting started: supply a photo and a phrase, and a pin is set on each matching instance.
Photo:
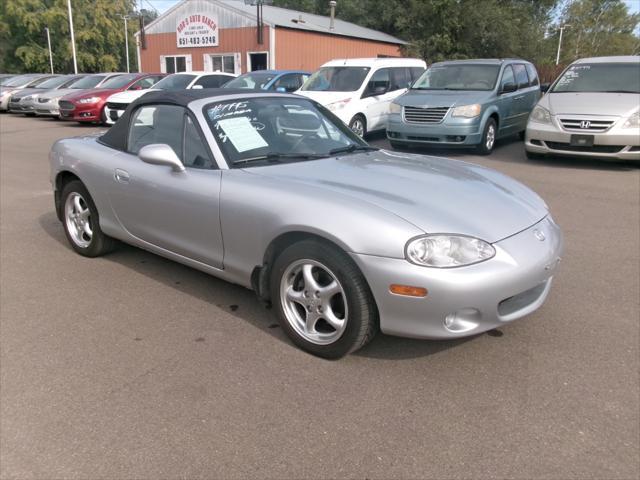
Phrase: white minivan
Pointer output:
(360, 90)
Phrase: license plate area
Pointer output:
(581, 141)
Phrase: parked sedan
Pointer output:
(275, 193)
(592, 110)
(26, 100)
(278, 80)
(89, 106)
(48, 102)
(15, 84)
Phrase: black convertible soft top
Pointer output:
(116, 136)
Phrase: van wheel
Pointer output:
(488, 138)
(358, 125)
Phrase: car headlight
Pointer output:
(540, 115)
(89, 100)
(445, 251)
(633, 121)
(467, 111)
(339, 105)
(395, 108)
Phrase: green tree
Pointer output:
(597, 28)
(98, 28)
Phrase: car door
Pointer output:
(508, 107)
(524, 96)
(177, 212)
(377, 104)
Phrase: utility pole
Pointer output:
(560, 42)
(73, 40)
(126, 39)
(49, 44)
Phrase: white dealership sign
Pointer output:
(197, 31)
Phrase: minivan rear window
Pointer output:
(599, 78)
(458, 77)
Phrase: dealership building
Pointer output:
(236, 37)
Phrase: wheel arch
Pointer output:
(63, 177)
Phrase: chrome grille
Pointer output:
(586, 125)
(424, 115)
(65, 105)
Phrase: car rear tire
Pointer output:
(322, 300)
(81, 222)
(488, 138)
(358, 125)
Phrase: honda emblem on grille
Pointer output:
(539, 235)
(585, 124)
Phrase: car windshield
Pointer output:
(9, 81)
(336, 79)
(174, 82)
(600, 77)
(262, 131)
(458, 77)
(38, 81)
(87, 82)
(53, 82)
(251, 80)
(120, 81)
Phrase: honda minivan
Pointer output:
(360, 90)
(591, 110)
(465, 103)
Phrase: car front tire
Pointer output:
(358, 125)
(81, 222)
(322, 300)
(488, 138)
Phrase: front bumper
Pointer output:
(82, 112)
(461, 132)
(112, 114)
(20, 107)
(616, 143)
(471, 299)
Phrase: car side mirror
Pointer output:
(509, 87)
(375, 92)
(544, 87)
(136, 87)
(161, 154)
(281, 90)
(197, 87)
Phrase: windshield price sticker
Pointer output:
(241, 133)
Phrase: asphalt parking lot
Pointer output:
(131, 366)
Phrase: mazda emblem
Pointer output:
(539, 235)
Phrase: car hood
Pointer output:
(94, 92)
(436, 195)
(25, 92)
(127, 96)
(442, 98)
(325, 98)
(61, 92)
(591, 103)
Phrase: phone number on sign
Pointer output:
(211, 40)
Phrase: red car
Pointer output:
(88, 105)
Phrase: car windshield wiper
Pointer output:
(353, 148)
(433, 88)
(276, 157)
(621, 91)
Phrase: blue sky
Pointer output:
(162, 5)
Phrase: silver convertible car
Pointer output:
(271, 191)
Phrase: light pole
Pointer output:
(560, 42)
(49, 44)
(73, 40)
(126, 39)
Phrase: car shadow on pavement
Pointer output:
(236, 300)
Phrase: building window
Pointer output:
(175, 63)
(227, 63)
(258, 61)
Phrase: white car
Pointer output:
(359, 91)
(118, 102)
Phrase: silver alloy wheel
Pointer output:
(78, 220)
(357, 127)
(314, 302)
(491, 137)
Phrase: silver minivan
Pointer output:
(591, 110)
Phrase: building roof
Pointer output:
(294, 19)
